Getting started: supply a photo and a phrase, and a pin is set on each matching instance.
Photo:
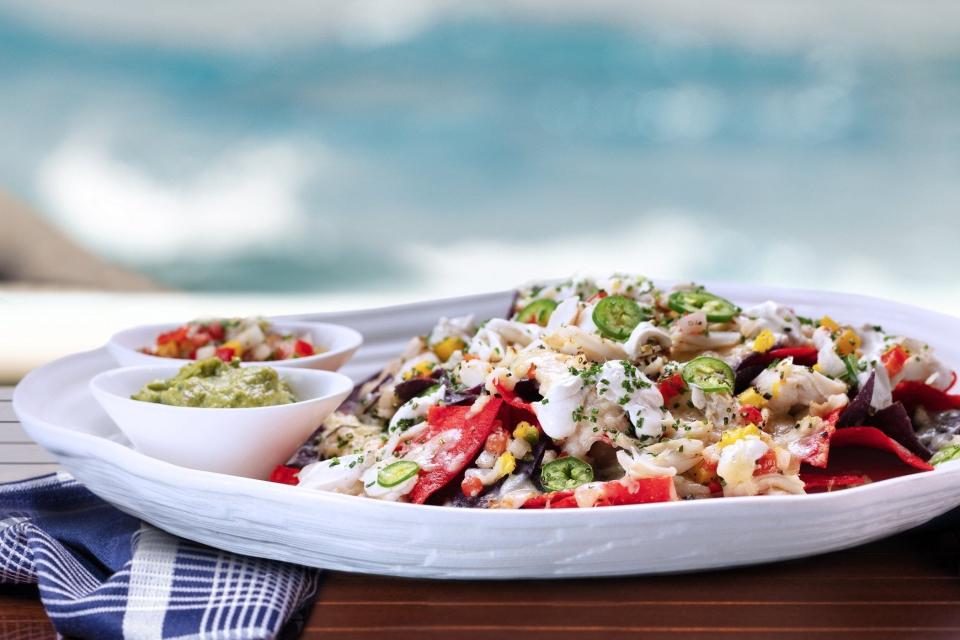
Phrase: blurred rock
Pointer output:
(35, 254)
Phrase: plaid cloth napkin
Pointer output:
(104, 574)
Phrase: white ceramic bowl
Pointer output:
(246, 442)
(337, 341)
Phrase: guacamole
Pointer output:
(214, 383)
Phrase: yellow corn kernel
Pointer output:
(848, 342)
(764, 341)
(817, 368)
(446, 347)
(420, 369)
(505, 464)
(732, 435)
(526, 431)
(236, 346)
(829, 323)
(702, 475)
(775, 389)
(753, 398)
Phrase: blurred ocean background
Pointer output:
(434, 149)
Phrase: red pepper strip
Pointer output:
(671, 387)
(913, 394)
(814, 449)
(469, 432)
(873, 438)
(285, 475)
(806, 356)
(952, 382)
(521, 410)
(614, 493)
(820, 482)
(513, 399)
(546, 500)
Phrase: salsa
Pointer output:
(213, 383)
(249, 339)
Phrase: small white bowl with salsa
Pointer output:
(287, 344)
(236, 426)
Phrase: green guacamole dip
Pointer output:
(214, 383)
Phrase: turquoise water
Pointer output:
(490, 147)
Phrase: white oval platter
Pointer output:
(349, 533)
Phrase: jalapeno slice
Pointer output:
(537, 312)
(616, 316)
(397, 473)
(717, 309)
(565, 473)
(709, 374)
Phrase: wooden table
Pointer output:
(903, 587)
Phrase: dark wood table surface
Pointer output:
(903, 587)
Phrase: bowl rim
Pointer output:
(96, 388)
(350, 337)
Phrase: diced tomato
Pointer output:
(913, 394)
(496, 442)
(225, 353)
(671, 387)
(200, 338)
(715, 487)
(614, 493)
(471, 487)
(766, 464)
(303, 348)
(806, 356)
(893, 359)
(285, 475)
(177, 335)
(215, 330)
(600, 295)
(750, 415)
(814, 449)
(468, 433)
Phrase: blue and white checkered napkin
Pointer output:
(104, 574)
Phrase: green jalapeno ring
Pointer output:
(538, 311)
(710, 375)
(565, 473)
(617, 316)
(717, 309)
(397, 473)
